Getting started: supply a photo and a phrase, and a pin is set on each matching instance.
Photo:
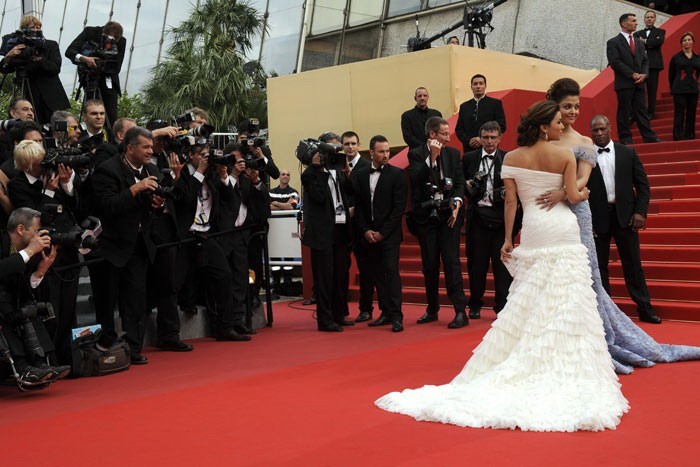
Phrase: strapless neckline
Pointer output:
(531, 170)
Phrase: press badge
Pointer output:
(339, 214)
(108, 82)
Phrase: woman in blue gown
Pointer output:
(628, 344)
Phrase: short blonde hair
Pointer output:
(28, 153)
(30, 21)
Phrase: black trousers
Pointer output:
(15, 344)
(360, 250)
(163, 293)
(484, 242)
(61, 289)
(438, 241)
(238, 264)
(684, 109)
(330, 272)
(652, 83)
(632, 105)
(383, 262)
(255, 259)
(125, 285)
(627, 242)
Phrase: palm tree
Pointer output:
(203, 66)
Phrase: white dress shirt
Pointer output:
(373, 179)
(334, 186)
(202, 216)
(487, 163)
(354, 161)
(606, 162)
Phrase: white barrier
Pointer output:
(283, 239)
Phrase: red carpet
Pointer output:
(294, 396)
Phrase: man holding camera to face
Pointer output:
(485, 226)
(437, 194)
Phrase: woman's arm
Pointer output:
(573, 194)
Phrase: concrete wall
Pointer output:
(570, 32)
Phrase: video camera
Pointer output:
(106, 53)
(7, 125)
(437, 202)
(34, 42)
(332, 155)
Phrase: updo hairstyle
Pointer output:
(539, 113)
(563, 88)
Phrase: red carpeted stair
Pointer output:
(670, 243)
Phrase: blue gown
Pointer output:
(628, 344)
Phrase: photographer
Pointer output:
(437, 193)
(205, 194)
(46, 189)
(244, 203)
(38, 61)
(125, 202)
(327, 234)
(24, 342)
(96, 131)
(485, 227)
(19, 110)
(254, 146)
(113, 148)
(70, 137)
(93, 51)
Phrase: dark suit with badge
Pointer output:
(382, 212)
(654, 39)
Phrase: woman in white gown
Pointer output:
(544, 364)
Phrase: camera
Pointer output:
(188, 137)
(83, 236)
(70, 157)
(7, 125)
(34, 43)
(437, 201)
(478, 185)
(332, 155)
(106, 53)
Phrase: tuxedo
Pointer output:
(358, 246)
(485, 230)
(654, 38)
(61, 291)
(329, 241)
(631, 100)
(473, 114)
(45, 85)
(109, 86)
(382, 212)
(437, 240)
(611, 220)
(126, 247)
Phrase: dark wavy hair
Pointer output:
(539, 113)
(563, 88)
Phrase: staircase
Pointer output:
(670, 244)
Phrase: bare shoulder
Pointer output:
(515, 157)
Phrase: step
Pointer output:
(688, 272)
(667, 206)
(669, 237)
(672, 168)
(674, 221)
(689, 155)
(666, 309)
(674, 179)
(667, 146)
(675, 192)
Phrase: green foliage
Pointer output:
(203, 66)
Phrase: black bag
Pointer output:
(88, 360)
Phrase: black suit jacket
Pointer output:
(43, 77)
(384, 214)
(471, 162)
(124, 217)
(229, 205)
(632, 191)
(186, 204)
(420, 174)
(94, 34)
(470, 119)
(653, 46)
(25, 195)
(624, 63)
(319, 212)
(413, 125)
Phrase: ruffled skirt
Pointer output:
(544, 364)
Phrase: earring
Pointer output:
(546, 136)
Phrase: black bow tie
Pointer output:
(602, 150)
(648, 29)
(351, 164)
(373, 170)
(490, 156)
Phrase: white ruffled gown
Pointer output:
(544, 364)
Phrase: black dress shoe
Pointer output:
(174, 346)
(363, 316)
(474, 313)
(654, 140)
(232, 335)
(346, 322)
(331, 328)
(138, 359)
(243, 329)
(381, 321)
(460, 321)
(428, 317)
(626, 142)
(396, 326)
(649, 317)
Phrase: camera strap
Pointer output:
(488, 168)
(339, 207)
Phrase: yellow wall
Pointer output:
(369, 97)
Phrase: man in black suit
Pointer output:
(327, 233)
(413, 121)
(41, 72)
(628, 59)
(351, 147)
(125, 203)
(653, 38)
(485, 227)
(107, 78)
(619, 201)
(380, 201)
(477, 111)
(44, 190)
(437, 196)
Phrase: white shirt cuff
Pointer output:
(199, 176)
(49, 193)
(228, 181)
(25, 256)
(35, 281)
